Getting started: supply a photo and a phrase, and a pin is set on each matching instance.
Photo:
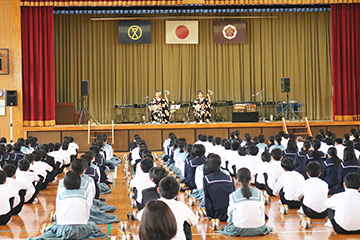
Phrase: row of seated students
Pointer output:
(298, 181)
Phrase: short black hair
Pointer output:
(276, 154)
(288, 164)
(146, 164)
(10, 170)
(261, 139)
(278, 139)
(227, 145)
(2, 177)
(198, 150)
(223, 141)
(72, 180)
(242, 151)
(78, 165)
(23, 165)
(30, 156)
(214, 157)
(352, 180)
(235, 145)
(217, 140)
(157, 173)
(65, 146)
(338, 140)
(9, 148)
(266, 157)
(210, 138)
(316, 144)
(17, 147)
(253, 150)
(202, 137)
(169, 187)
(313, 169)
(210, 167)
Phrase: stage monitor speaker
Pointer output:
(11, 98)
(85, 88)
(285, 84)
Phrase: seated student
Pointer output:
(155, 174)
(261, 169)
(316, 155)
(73, 146)
(197, 159)
(291, 149)
(172, 148)
(252, 160)
(41, 168)
(6, 200)
(166, 144)
(28, 146)
(15, 154)
(157, 222)
(65, 153)
(3, 141)
(277, 144)
(246, 216)
(350, 164)
(339, 148)
(169, 189)
(344, 208)
(34, 143)
(226, 157)
(261, 145)
(217, 187)
(313, 193)
(3, 155)
(29, 179)
(23, 149)
(300, 161)
(299, 142)
(18, 187)
(288, 183)
(179, 158)
(332, 165)
(271, 143)
(217, 148)
(274, 171)
(142, 180)
(92, 171)
(233, 157)
(72, 212)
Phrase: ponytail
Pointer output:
(244, 177)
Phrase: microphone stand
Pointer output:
(261, 102)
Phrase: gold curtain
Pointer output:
(294, 45)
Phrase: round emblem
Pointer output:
(134, 32)
(229, 32)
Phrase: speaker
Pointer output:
(11, 98)
(245, 117)
(85, 88)
(285, 84)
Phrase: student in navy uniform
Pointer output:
(16, 155)
(217, 188)
(316, 155)
(271, 143)
(332, 164)
(92, 171)
(3, 155)
(287, 184)
(313, 193)
(344, 208)
(197, 159)
(246, 209)
(300, 161)
(155, 174)
(291, 149)
(349, 165)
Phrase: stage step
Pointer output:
(293, 128)
(300, 134)
(305, 126)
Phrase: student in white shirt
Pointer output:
(185, 217)
(217, 148)
(288, 183)
(339, 148)
(344, 210)
(246, 209)
(274, 172)
(252, 160)
(29, 179)
(313, 193)
(238, 162)
(261, 169)
(142, 180)
(226, 157)
(18, 187)
(6, 200)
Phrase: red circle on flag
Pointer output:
(182, 32)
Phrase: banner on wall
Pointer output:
(229, 32)
(182, 32)
(134, 31)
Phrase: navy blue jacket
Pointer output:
(190, 169)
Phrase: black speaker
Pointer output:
(245, 117)
(11, 98)
(285, 84)
(85, 88)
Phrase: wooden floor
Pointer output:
(29, 221)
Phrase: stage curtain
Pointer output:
(294, 45)
(100, 3)
(37, 32)
(345, 38)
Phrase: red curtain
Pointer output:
(345, 39)
(37, 29)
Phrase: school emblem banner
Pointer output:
(229, 32)
(134, 31)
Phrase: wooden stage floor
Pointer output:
(286, 227)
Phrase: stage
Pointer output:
(155, 134)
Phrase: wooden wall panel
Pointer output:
(46, 137)
(122, 140)
(153, 138)
(189, 134)
(216, 132)
(315, 130)
(341, 130)
(80, 137)
(267, 132)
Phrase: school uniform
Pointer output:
(290, 154)
(340, 151)
(94, 172)
(165, 146)
(190, 170)
(259, 175)
(6, 204)
(261, 146)
(227, 159)
(234, 159)
(217, 188)
(286, 187)
(246, 216)
(179, 160)
(217, 149)
(19, 197)
(300, 145)
(182, 213)
(28, 179)
(313, 194)
(284, 142)
(344, 211)
(310, 158)
(66, 156)
(331, 174)
(345, 168)
(251, 162)
(277, 146)
(274, 172)
(147, 195)
(15, 157)
(140, 182)
(300, 163)
(135, 155)
(236, 163)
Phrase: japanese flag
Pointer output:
(182, 32)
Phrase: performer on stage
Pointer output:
(201, 107)
(159, 108)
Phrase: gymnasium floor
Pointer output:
(286, 227)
